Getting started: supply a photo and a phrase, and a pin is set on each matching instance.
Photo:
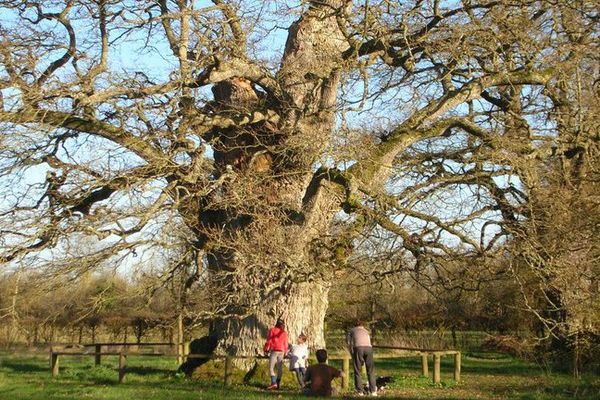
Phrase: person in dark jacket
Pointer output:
(318, 377)
(359, 345)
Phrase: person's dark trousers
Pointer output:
(360, 356)
(300, 375)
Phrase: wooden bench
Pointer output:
(98, 348)
(54, 360)
(74, 350)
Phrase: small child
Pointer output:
(298, 354)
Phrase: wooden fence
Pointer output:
(424, 354)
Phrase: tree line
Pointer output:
(103, 308)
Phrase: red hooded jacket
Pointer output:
(277, 340)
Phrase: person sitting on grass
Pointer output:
(318, 377)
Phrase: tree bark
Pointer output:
(284, 183)
(302, 308)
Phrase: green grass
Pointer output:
(148, 378)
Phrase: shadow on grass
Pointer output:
(581, 391)
(184, 385)
(24, 366)
(554, 391)
(103, 382)
(144, 371)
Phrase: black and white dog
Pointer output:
(382, 383)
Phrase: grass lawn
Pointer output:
(27, 376)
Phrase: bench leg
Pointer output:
(424, 365)
(346, 376)
(54, 363)
(228, 371)
(122, 365)
(436, 367)
(457, 367)
(98, 357)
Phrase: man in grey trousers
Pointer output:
(359, 344)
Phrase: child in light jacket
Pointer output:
(298, 354)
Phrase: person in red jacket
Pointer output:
(276, 346)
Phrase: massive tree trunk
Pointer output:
(260, 247)
(302, 307)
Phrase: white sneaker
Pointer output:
(373, 394)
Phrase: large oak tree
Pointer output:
(182, 124)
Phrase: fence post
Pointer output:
(424, 364)
(54, 363)
(457, 366)
(122, 365)
(173, 348)
(436, 367)
(186, 350)
(98, 357)
(346, 371)
(228, 371)
(180, 338)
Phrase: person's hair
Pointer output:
(280, 323)
(358, 322)
(321, 355)
(302, 336)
